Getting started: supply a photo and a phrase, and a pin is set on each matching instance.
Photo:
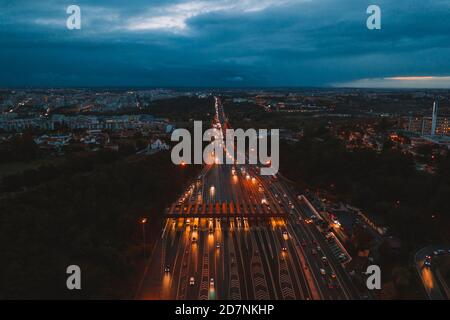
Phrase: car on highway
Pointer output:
(217, 244)
(333, 275)
(313, 252)
(285, 233)
(194, 239)
(211, 283)
(166, 269)
(323, 272)
(284, 249)
(319, 248)
(330, 284)
(427, 262)
(211, 230)
(324, 260)
(191, 281)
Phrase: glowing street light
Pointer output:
(143, 223)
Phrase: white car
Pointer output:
(323, 272)
(191, 281)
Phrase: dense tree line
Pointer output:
(183, 109)
(414, 204)
(90, 219)
(19, 148)
(72, 164)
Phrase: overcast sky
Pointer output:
(225, 43)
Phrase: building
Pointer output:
(159, 145)
(55, 141)
(430, 126)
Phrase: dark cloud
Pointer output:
(220, 43)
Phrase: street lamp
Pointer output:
(144, 222)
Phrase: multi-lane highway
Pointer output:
(242, 256)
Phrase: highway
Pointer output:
(435, 286)
(238, 256)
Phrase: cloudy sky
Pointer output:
(225, 43)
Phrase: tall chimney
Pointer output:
(434, 118)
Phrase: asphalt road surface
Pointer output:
(243, 257)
